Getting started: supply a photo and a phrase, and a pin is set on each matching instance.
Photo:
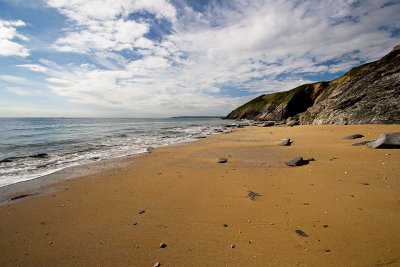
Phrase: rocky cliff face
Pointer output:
(369, 93)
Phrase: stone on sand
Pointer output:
(222, 160)
(298, 161)
(354, 136)
(301, 233)
(285, 142)
(386, 140)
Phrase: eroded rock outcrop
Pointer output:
(369, 93)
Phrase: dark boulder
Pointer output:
(299, 161)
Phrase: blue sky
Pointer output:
(159, 58)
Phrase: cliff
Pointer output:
(369, 93)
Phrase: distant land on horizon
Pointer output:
(197, 117)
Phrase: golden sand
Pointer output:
(347, 201)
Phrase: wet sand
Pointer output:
(347, 202)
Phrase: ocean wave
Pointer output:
(73, 144)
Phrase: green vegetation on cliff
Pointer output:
(369, 93)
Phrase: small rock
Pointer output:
(354, 136)
(301, 233)
(299, 161)
(327, 250)
(325, 226)
(163, 245)
(365, 183)
(225, 225)
(285, 142)
(253, 195)
(222, 160)
(157, 264)
(51, 242)
(141, 211)
(134, 223)
(232, 245)
(150, 149)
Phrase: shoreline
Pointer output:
(345, 202)
(39, 185)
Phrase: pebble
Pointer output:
(222, 160)
(354, 136)
(157, 264)
(134, 223)
(51, 242)
(252, 195)
(225, 225)
(141, 211)
(163, 245)
(325, 226)
(301, 233)
(232, 245)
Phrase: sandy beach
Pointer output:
(346, 202)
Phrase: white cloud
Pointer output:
(8, 34)
(13, 79)
(18, 91)
(34, 67)
(105, 25)
(256, 46)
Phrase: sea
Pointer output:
(34, 147)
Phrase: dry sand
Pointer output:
(347, 202)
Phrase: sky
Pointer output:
(160, 58)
